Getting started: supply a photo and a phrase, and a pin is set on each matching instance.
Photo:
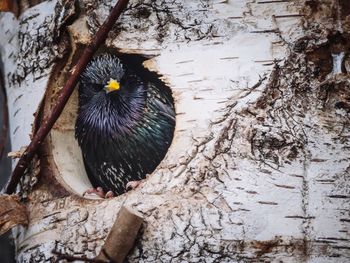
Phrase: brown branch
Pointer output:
(122, 236)
(64, 95)
(9, 5)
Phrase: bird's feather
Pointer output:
(123, 135)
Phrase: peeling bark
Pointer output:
(12, 213)
(259, 166)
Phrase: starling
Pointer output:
(125, 123)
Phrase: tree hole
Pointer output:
(72, 170)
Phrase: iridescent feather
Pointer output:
(126, 133)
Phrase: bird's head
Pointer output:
(103, 74)
(108, 83)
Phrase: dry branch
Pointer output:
(121, 237)
(9, 5)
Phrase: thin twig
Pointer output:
(64, 95)
(122, 236)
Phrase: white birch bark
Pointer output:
(259, 166)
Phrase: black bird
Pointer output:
(125, 123)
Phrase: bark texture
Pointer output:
(259, 166)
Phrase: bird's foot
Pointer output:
(132, 185)
(99, 192)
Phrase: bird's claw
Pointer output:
(132, 185)
(99, 192)
(109, 194)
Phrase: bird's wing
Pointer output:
(162, 101)
(165, 110)
(91, 174)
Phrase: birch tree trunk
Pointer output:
(258, 169)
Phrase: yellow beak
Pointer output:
(112, 85)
